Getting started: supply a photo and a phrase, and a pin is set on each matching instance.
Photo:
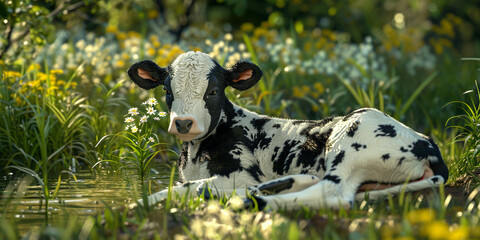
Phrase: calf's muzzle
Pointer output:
(186, 128)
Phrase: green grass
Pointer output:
(434, 214)
(467, 124)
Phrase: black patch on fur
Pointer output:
(240, 113)
(338, 159)
(259, 123)
(260, 139)
(435, 179)
(357, 146)
(187, 184)
(282, 162)
(255, 172)
(321, 165)
(277, 186)
(385, 157)
(403, 149)
(352, 129)
(276, 126)
(314, 123)
(400, 161)
(313, 147)
(438, 167)
(386, 131)
(298, 122)
(422, 150)
(237, 151)
(346, 117)
(215, 103)
(215, 150)
(332, 178)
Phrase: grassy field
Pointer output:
(66, 100)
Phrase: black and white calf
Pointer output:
(283, 163)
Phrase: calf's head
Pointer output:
(194, 84)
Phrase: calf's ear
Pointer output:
(243, 75)
(147, 74)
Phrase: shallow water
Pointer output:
(22, 199)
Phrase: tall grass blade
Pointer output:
(250, 49)
(415, 94)
(350, 89)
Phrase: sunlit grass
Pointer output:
(429, 215)
(467, 124)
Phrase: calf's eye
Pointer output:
(213, 93)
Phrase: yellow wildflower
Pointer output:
(307, 47)
(435, 230)
(437, 46)
(306, 89)
(423, 215)
(319, 87)
(459, 234)
(260, 32)
(161, 52)
(298, 93)
(120, 63)
(52, 90)
(454, 19)
(151, 51)
(121, 36)
(33, 84)
(11, 74)
(153, 38)
(56, 71)
(33, 67)
(134, 34)
(321, 43)
(247, 27)
(152, 14)
(125, 56)
(111, 29)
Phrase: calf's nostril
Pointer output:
(189, 124)
(183, 126)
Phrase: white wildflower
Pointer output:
(151, 111)
(129, 119)
(228, 37)
(144, 119)
(156, 118)
(134, 129)
(133, 111)
(150, 139)
(152, 101)
(162, 114)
